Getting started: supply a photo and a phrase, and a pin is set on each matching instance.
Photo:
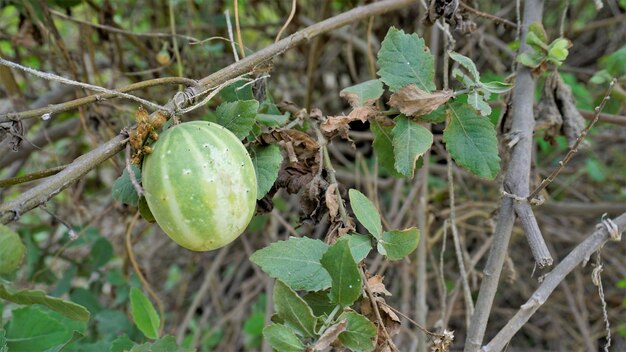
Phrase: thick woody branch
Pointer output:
(79, 167)
(40, 194)
(578, 255)
(516, 181)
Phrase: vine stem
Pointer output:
(144, 282)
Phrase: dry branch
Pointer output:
(581, 253)
(516, 181)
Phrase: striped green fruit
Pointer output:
(12, 250)
(200, 185)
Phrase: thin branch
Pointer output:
(76, 103)
(53, 77)
(581, 253)
(487, 15)
(191, 40)
(30, 177)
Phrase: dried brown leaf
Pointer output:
(376, 284)
(330, 335)
(331, 201)
(412, 101)
(339, 124)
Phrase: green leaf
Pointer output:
(558, 50)
(123, 189)
(293, 310)
(383, 147)
(530, 59)
(33, 329)
(144, 314)
(296, 262)
(164, 344)
(472, 142)
(282, 339)
(145, 211)
(366, 212)
(360, 245)
(497, 87)
(27, 297)
(344, 272)
(478, 102)
(237, 91)
(400, 243)
(238, 116)
(463, 78)
(3, 341)
(320, 303)
(536, 28)
(12, 250)
(363, 93)
(271, 120)
(410, 141)
(75, 337)
(87, 299)
(536, 43)
(600, 77)
(359, 334)
(122, 344)
(404, 59)
(467, 63)
(437, 116)
(266, 162)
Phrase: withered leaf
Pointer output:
(330, 335)
(376, 284)
(557, 113)
(331, 201)
(339, 124)
(412, 101)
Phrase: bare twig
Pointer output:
(30, 177)
(487, 15)
(53, 77)
(73, 104)
(579, 254)
(192, 40)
